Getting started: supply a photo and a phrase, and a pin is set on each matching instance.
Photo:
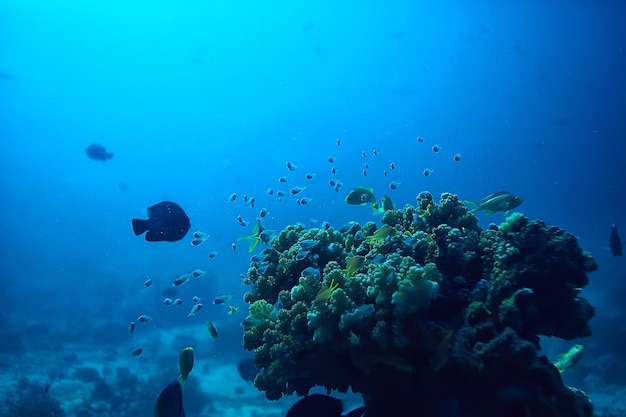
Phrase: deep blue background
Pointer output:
(200, 99)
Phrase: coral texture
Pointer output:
(438, 312)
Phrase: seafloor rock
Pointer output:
(429, 312)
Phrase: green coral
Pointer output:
(261, 309)
(437, 301)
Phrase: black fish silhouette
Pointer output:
(615, 242)
(98, 152)
(166, 222)
(247, 370)
(169, 403)
(316, 405)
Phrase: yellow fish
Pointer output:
(353, 265)
(379, 235)
(259, 234)
(185, 363)
(569, 358)
(325, 293)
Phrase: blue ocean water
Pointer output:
(201, 99)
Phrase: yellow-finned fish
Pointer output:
(502, 201)
(569, 358)
(185, 363)
(379, 235)
(325, 293)
(353, 265)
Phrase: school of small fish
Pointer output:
(294, 182)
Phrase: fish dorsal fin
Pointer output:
(496, 194)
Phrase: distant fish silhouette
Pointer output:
(615, 243)
(98, 152)
(166, 222)
(6, 76)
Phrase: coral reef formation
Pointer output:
(428, 311)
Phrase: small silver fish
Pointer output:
(177, 302)
(222, 298)
(296, 190)
(258, 258)
(168, 301)
(135, 352)
(200, 235)
(394, 185)
(302, 254)
(290, 166)
(251, 321)
(232, 197)
(196, 299)
(309, 243)
(212, 254)
(144, 318)
(304, 201)
(310, 175)
(197, 273)
(282, 179)
(131, 327)
(194, 310)
(148, 283)
(181, 280)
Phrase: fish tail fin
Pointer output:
(376, 210)
(140, 226)
(472, 204)
(253, 244)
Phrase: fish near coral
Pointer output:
(185, 363)
(315, 405)
(502, 201)
(615, 243)
(259, 234)
(353, 265)
(569, 358)
(360, 196)
(325, 293)
(379, 235)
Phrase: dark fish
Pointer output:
(166, 222)
(317, 405)
(615, 243)
(247, 370)
(98, 152)
(170, 401)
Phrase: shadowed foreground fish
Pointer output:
(247, 370)
(169, 403)
(166, 222)
(615, 243)
(98, 152)
(319, 405)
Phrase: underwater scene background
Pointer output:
(197, 100)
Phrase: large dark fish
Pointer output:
(318, 405)
(615, 243)
(166, 222)
(98, 152)
(169, 403)
(247, 370)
